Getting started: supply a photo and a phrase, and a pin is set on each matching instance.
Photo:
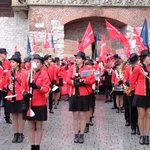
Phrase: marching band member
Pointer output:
(80, 78)
(4, 68)
(57, 81)
(40, 86)
(141, 84)
(49, 67)
(107, 81)
(117, 77)
(131, 114)
(13, 83)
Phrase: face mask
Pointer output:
(34, 65)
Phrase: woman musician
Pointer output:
(116, 79)
(80, 78)
(40, 87)
(13, 83)
(140, 83)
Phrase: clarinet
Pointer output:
(13, 83)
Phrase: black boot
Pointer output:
(141, 141)
(76, 138)
(15, 139)
(37, 147)
(33, 147)
(146, 140)
(86, 128)
(117, 111)
(133, 129)
(91, 123)
(20, 138)
(81, 138)
(122, 110)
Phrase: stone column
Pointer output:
(58, 36)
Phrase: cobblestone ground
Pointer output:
(108, 133)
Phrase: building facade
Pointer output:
(66, 21)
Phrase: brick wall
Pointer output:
(5, 8)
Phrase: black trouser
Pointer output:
(133, 113)
(114, 101)
(108, 89)
(126, 108)
(6, 106)
(50, 98)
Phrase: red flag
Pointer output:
(115, 34)
(33, 44)
(103, 46)
(88, 38)
(138, 40)
(46, 42)
(103, 54)
(15, 49)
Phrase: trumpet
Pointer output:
(127, 89)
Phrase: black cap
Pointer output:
(16, 58)
(47, 56)
(90, 62)
(27, 59)
(116, 56)
(57, 59)
(37, 56)
(81, 54)
(17, 53)
(144, 53)
(3, 51)
(133, 58)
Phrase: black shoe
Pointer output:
(91, 123)
(51, 111)
(81, 138)
(86, 130)
(33, 147)
(122, 110)
(76, 138)
(142, 140)
(15, 139)
(146, 140)
(114, 108)
(127, 123)
(106, 100)
(8, 121)
(133, 131)
(55, 107)
(117, 111)
(20, 138)
(37, 147)
(110, 100)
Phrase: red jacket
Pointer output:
(88, 81)
(41, 79)
(116, 77)
(18, 81)
(137, 81)
(1, 76)
(57, 73)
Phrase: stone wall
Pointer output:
(13, 33)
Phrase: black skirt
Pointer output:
(118, 92)
(79, 103)
(15, 107)
(40, 113)
(141, 101)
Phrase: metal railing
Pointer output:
(101, 3)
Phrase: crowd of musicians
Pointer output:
(31, 86)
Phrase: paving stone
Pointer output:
(108, 133)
